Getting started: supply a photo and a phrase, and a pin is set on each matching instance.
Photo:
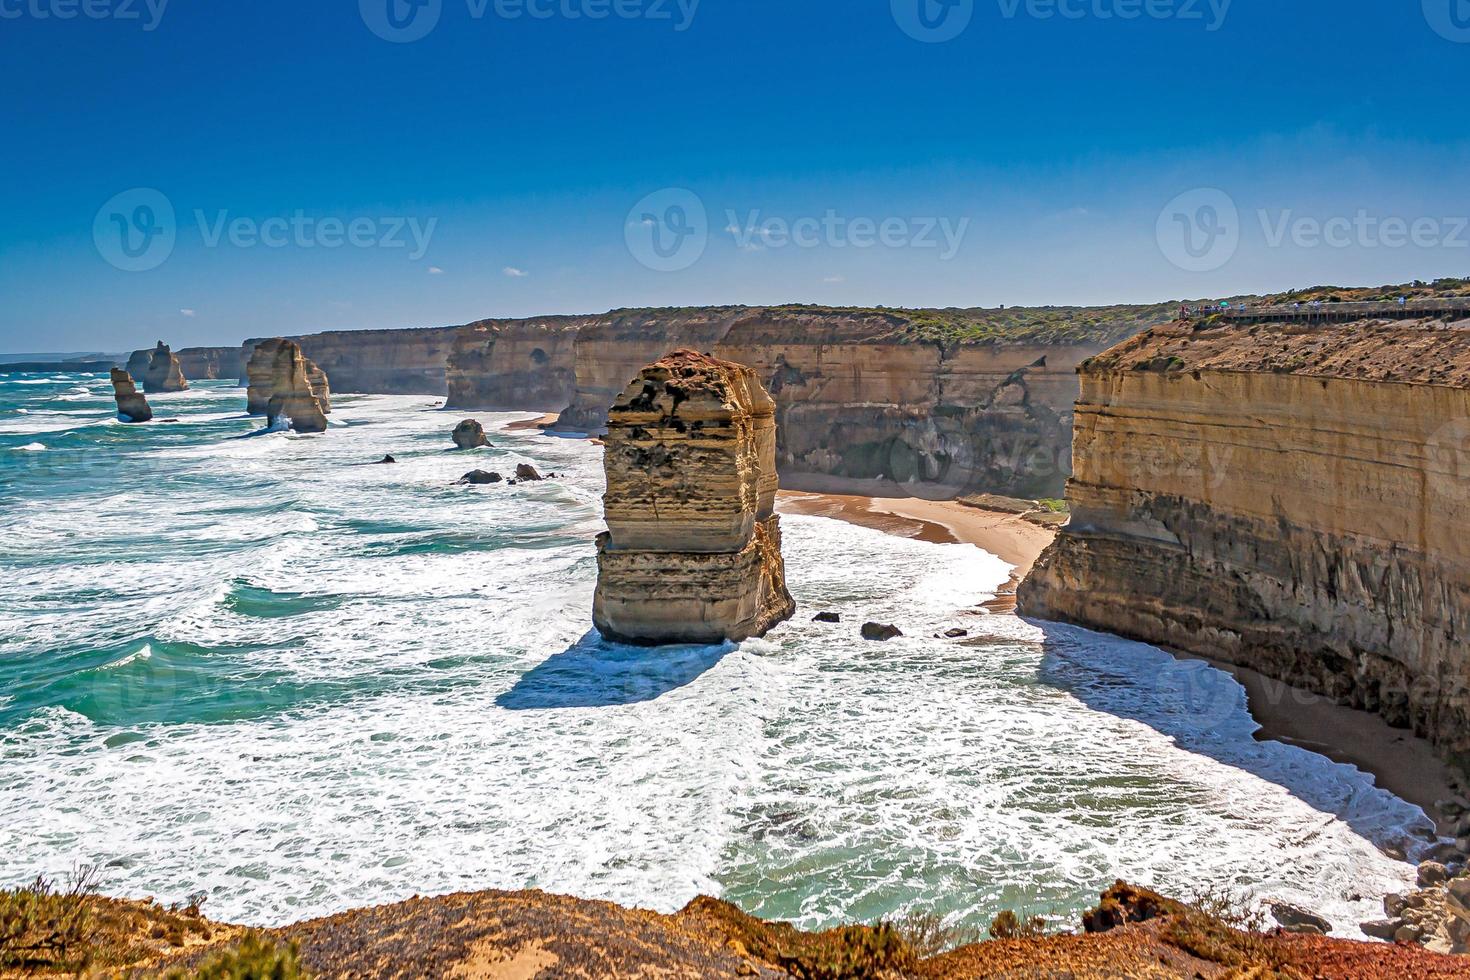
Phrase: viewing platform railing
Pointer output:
(1455, 308)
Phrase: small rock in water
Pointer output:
(470, 434)
(386, 459)
(480, 478)
(827, 617)
(955, 634)
(1294, 918)
(527, 473)
(881, 632)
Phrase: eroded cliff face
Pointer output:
(381, 362)
(212, 363)
(1289, 499)
(515, 365)
(857, 396)
(692, 553)
(613, 348)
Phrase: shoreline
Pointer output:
(1008, 536)
(1399, 762)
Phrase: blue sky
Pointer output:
(1050, 152)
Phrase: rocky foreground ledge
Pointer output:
(503, 935)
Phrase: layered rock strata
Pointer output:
(131, 405)
(159, 368)
(692, 553)
(516, 365)
(280, 386)
(381, 362)
(1286, 498)
(199, 363)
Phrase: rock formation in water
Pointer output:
(692, 553)
(131, 406)
(1291, 499)
(469, 434)
(281, 386)
(159, 368)
(198, 363)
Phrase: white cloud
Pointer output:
(434, 270)
(187, 312)
(835, 279)
(515, 273)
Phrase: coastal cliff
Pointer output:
(515, 365)
(692, 553)
(945, 401)
(199, 363)
(379, 362)
(1286, 498)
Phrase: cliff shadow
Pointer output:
(593, 673)
(1206, 711)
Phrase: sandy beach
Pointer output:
(1009, 537)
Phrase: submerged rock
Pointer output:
(480, 478)
(131, 406)
(881, 632)
(827, 617)
(281, 388)
(692, 553)
(469, 434)
(526, 473)
(386, 459)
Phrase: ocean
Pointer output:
(266, 670)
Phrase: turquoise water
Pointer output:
(266, 669)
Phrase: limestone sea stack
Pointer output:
(281, 386)
(159, 369)
(692, 553)
(131, 406)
